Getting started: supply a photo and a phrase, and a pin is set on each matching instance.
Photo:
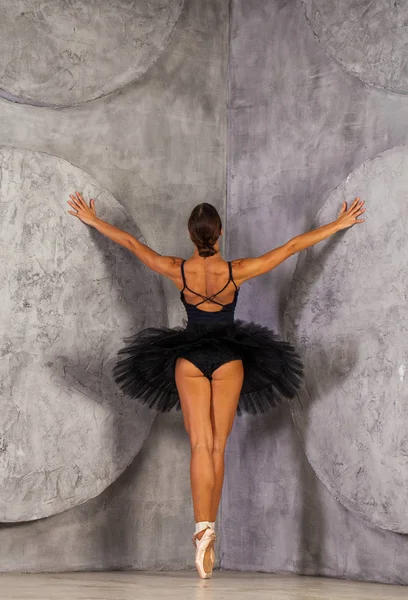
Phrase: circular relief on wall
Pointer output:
(369, 39)
(347, 312)
(69, 296)
(63, 53)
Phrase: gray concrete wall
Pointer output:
(299, 123)
(154, 146)
(301, 118)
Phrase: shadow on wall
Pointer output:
(311, 519)
(90, 373)
(109, 532)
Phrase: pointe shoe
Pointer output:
(204, 553)
(212, 553)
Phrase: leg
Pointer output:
(195, 398)
(226, 387)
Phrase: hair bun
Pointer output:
(206, 249)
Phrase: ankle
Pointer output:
(201, 525)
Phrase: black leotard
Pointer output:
(207, 359)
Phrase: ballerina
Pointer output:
(216, 367)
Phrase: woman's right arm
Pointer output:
(246, 268)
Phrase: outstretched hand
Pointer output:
(347, 218)
(84, 212)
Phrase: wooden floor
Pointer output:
(186, 585)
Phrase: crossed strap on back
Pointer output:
(210, 298)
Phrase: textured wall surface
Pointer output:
(67, 433)
(158, 147)
(367, 38)
(299, 124)
(347, 314)
(132, 524)
(64, 53)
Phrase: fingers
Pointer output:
(75, 200)
(79, 196)
(358, 210)
(78, 199)
(356, 206)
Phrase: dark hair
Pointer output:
(204, 225)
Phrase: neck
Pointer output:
(216, 248)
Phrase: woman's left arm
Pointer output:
(165, 265)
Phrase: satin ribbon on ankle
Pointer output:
(203, 525)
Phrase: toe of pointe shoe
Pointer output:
(203, 560)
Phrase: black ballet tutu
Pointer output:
(273, 371)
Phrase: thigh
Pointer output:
(226, 387)
(194, 391)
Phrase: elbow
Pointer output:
(293, 246)
(130, 243)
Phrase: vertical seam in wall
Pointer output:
(226, 198)
(227, 130)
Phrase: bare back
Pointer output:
(208, 284)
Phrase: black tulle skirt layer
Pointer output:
(145, 367)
